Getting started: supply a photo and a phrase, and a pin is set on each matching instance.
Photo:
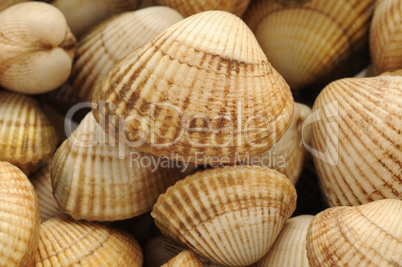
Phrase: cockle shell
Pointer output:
(185, 258)
(356, 139)
(289, 248)
(366, 235)
(37, 48)
(19, 218)
(96, 178)
(386, 36)
(81, 15)
(105, 45)
(202, 92)
(7, 3)
(72, 243)
(191, 7)
(27, 139)
(230, 215)
(313, 42)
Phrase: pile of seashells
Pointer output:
(167, 133)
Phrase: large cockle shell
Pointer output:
(185, 258)
(37, 48)
(366, 235)
(356, 139)
(230, 215)
(289, 248)
(72, 243)
(81, 15)
(202, 91)
(191, 7)
(19, 218)
(27, 139)
(112, 40)
(313, 42)
(96, 178)
(386, 36)
(7, 3)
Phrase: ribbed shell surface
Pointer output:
(289, 248)
(19, 218)
(185, 258)
(105, 45)
(197, 93)
(231, 215)
(72, 243)
(191, 7)
(27, 139)
(96, 178)
(366, 235)
(359, 137)
(386, 36)
(306, 42)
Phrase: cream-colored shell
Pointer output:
(230, 215)
(312, 42)
(185, 258)
(27, 139)
(19, 218)
(7, 3)
(289, 248)
(96, 178)
(197, 93)
(66, 242)
(369, 235)
(105, 45)
(357, 141)
(37, 48)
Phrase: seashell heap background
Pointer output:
(186, 133)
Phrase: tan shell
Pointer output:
(357, 141)
(191, 7)
(366, 235)
(72, 243)
(289, 248)
(185, 258)
(313, 42)
(63, 98)
(7, 3)
(37, 48)
(81, 15)
(386, 36)
(201, 92)
(112, 40)
(19, 218)
(42, 183)
(96, 178)
(230, 215)
(27, 139)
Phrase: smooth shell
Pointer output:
(230, 215)
(19, 218)
(185, 258)
(77, 243)
(27, 139)
(356, 139)
(96, 178)
(202, 91)
(366, 235)
(7, 3)
(37, 48)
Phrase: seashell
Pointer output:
(185, 258)
(27, 139)
(105, 45)
(81, 15)
(42, 183)
(191, 7)
(289, 248)
(201, 92)
(214, 211)
(64, 98)
(66, 242)
(366, 235)
(7, 3)
(37, 48)
(287, 156)
(315, 42)
(356, 140)
(19, 217)
(385, 36)
(96, 178)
